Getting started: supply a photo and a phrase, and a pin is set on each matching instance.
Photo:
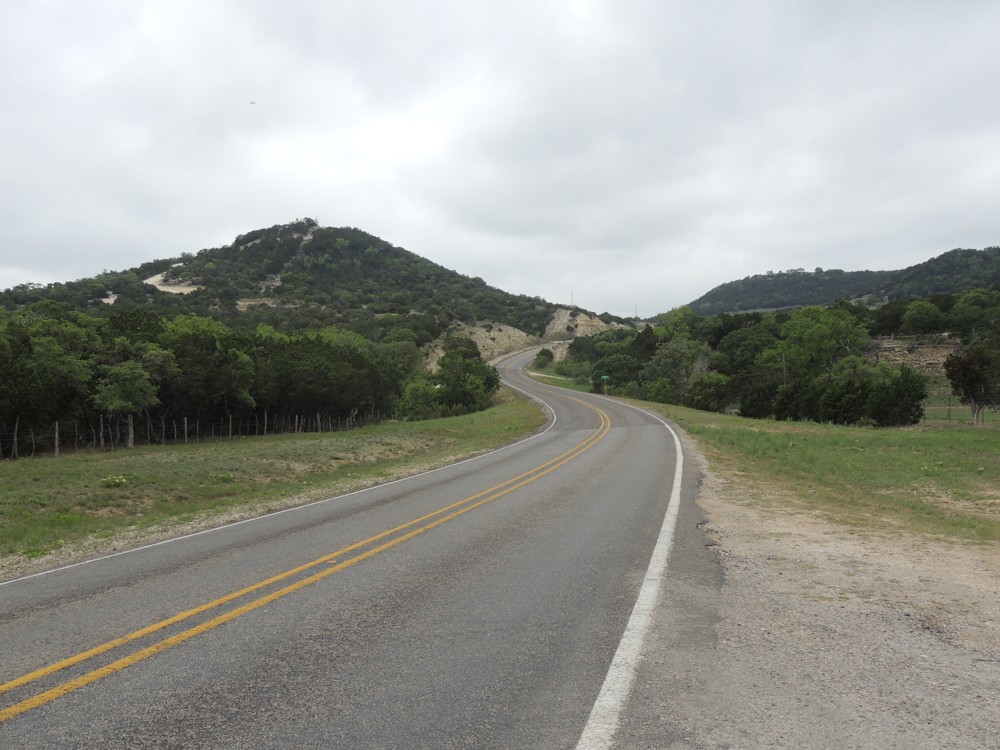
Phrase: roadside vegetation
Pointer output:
(48, 503)
(935, 479)
(810, 364)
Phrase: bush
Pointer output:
(543, 359)
(897, 398)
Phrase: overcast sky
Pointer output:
(625, 155)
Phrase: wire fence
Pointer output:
(115, 434)
(960, 414)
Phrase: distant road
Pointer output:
(477, 606)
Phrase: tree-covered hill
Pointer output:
(953, 272)
(298, 277)
(289, 326)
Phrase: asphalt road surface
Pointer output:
(477, 606)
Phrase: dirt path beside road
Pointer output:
(831, 637)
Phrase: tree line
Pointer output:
(59, 366)
(812, 363)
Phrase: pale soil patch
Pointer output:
(832, 637)
(173, 287)
(581, 323)
(493, 339)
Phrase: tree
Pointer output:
(976, 311)
(420, 398)
(708, 391)
(922, 316)
(543, 359)
(974, 373)
(845, 390)
(124, 390)
(465, 384)
(896, 397)
(666, 375)
(814, 338)
(216, 373)
(620, 369)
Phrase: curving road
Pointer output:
(477, 606)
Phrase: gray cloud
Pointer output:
(631, 155)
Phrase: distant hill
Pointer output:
(299, 276)
(953, 272)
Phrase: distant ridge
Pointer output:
(953, 272)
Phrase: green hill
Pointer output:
(953, 272)
(299, 276)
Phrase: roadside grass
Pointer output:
(46, 503)
(937, 478)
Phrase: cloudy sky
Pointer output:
(626, 155)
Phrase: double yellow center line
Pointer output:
(372, 546)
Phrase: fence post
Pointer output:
(57, 438)
(185, 430)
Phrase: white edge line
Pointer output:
(295, 508)
(606, 713)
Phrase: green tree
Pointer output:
(814, 338)
(974, 373)
(465, 384)
(896, 397)
(125, 390)
(844, 392)
(216, 373)
(922, 316)
(420, 398)
(666, 375)
(708, 391)
(975, 311)
(544, 358)
(620, 369)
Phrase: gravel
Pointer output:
(822, 636)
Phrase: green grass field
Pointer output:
(936, 478)
(48, 502)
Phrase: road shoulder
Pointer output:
(810, 634)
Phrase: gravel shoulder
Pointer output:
(820, 636)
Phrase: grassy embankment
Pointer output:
(937, 478)
(941, 477)
(48, 502)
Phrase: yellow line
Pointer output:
(182, 616)
(489, 495)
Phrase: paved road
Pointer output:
(478, 606)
